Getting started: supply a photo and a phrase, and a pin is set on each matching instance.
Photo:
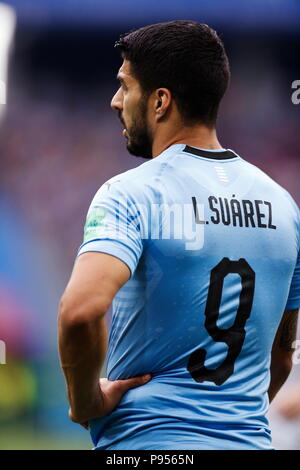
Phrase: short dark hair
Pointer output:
(186, 57)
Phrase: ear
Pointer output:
(163, 98)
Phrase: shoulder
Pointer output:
(142, 173)
(135, 182)
(271, 184)
(277, 192)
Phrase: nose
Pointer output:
(117, 100)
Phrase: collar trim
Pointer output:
(213, 154)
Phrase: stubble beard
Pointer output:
(140, 140)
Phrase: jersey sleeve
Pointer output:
(113, 226)
(294, 294)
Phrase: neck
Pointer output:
(196, 136)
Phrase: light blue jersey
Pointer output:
(212, 244)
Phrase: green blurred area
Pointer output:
(24, 438)
(33, 409)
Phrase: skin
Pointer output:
(152, 125)
(282, 352)
(82, 336)
(163, 121)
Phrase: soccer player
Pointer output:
(199, 252)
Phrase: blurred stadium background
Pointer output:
(59, 141)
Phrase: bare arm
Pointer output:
(282, 351)
(82, 335)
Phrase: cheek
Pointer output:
(126, 103)
(128, 108)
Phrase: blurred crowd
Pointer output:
(53, 159)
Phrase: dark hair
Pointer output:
(186, 57)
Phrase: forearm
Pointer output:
(282, 351)
(280, 370)
(82, 349)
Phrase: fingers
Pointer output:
(111, 393)
(127, 384)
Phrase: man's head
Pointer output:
(179, 65)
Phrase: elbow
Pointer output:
(74, 312)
